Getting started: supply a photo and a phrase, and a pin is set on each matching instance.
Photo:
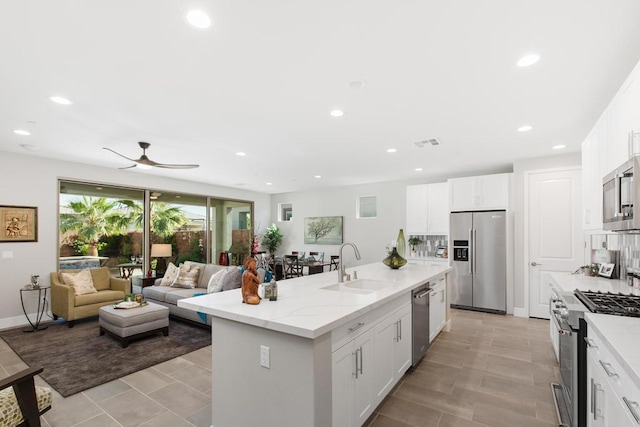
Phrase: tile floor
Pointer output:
(489, 370)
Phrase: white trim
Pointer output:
(16, 321)
(526, 174)
(520, 312)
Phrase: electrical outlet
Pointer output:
(265, 357)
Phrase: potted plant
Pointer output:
(413, 242)
(272, 238)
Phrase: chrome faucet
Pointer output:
(341, 272)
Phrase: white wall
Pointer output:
(33, 181)
(519, 168)
(371, 235)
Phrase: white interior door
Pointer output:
(554, 231)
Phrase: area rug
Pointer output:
(78, 358)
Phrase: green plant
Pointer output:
(414, 241)
(272, 238)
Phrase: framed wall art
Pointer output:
(323, 230)
(19, 224)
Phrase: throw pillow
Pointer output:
(82, 282)
(188, 278)
(215, 283)
(233, 279)
(170, 275)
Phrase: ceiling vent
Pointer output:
(427, 142)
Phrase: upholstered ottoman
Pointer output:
(130, 324)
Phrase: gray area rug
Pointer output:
(78, 358)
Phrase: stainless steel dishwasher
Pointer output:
(420, 322)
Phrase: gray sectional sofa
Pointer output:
(169, 296)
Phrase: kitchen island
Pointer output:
(279, 362)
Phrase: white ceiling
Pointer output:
(265, 76)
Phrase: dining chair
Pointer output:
(292, 266)
(317, 256)
(335, 260)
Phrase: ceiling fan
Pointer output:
(145, 162)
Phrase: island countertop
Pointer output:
(305, 309)
(569, 282)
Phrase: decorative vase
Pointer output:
(401, 244)
(223, 259)
(394, 260)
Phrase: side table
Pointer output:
(148, 281)
(42, 305)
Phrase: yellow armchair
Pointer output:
(66, 304)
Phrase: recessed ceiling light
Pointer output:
(337, 113)
(22, 132)
(141, 166)
(98, 188)
(318, 176)
(418, 169)
(30, 147)
(391, 150)
(269, 183)
(559, 147)
(198, 19)
(240, 153)
(525, 128)
(60, 100)
(356, 84)
(527, 60)
(178, 196)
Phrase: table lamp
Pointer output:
(161, 251)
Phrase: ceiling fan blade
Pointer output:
(175, 166)
(115, 152)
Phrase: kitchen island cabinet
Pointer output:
(292, 361)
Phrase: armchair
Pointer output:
(21, 401)
(65, 303)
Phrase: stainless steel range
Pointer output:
(567, 316)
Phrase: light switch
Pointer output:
(7, 255)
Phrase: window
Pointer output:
(285, 211)
(103, 225)
(366, 207)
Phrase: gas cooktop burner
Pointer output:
(609, 303)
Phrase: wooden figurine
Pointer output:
(250, 282)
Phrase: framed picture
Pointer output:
(323, 230)
(19, 224)
(606, 270)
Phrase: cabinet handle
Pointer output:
(596, 411)
(593, 399)
(633, 408)
(400, 330)
(422, 295)
(360, 364)
(356, 356)
(356, 327)
(607, 368)
(442, 296)
(590, 342)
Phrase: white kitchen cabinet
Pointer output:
(479, 192)
(613, 399)
(437, 307)
(591, 182)
(352, 376)
(392, 351)
(428, 209)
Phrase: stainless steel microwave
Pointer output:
(620, 191)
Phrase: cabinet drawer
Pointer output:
(348, 331)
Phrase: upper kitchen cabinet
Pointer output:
(591, 182)
(428, 209)
(476, 193)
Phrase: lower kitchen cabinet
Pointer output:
(367, 367)
(437, 307)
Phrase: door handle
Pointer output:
(533, 264)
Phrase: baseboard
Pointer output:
(16, 321)
(520, 312)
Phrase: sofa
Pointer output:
(168, 295)
(71, 303)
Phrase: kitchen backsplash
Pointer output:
(625, 247)
(428, 246)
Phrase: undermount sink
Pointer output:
(359, 286)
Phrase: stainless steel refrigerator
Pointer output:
(479, 260)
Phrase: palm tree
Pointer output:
(91, 219)
(165, 218)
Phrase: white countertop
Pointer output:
(570, 282)
(306, 310)
(621, 335)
